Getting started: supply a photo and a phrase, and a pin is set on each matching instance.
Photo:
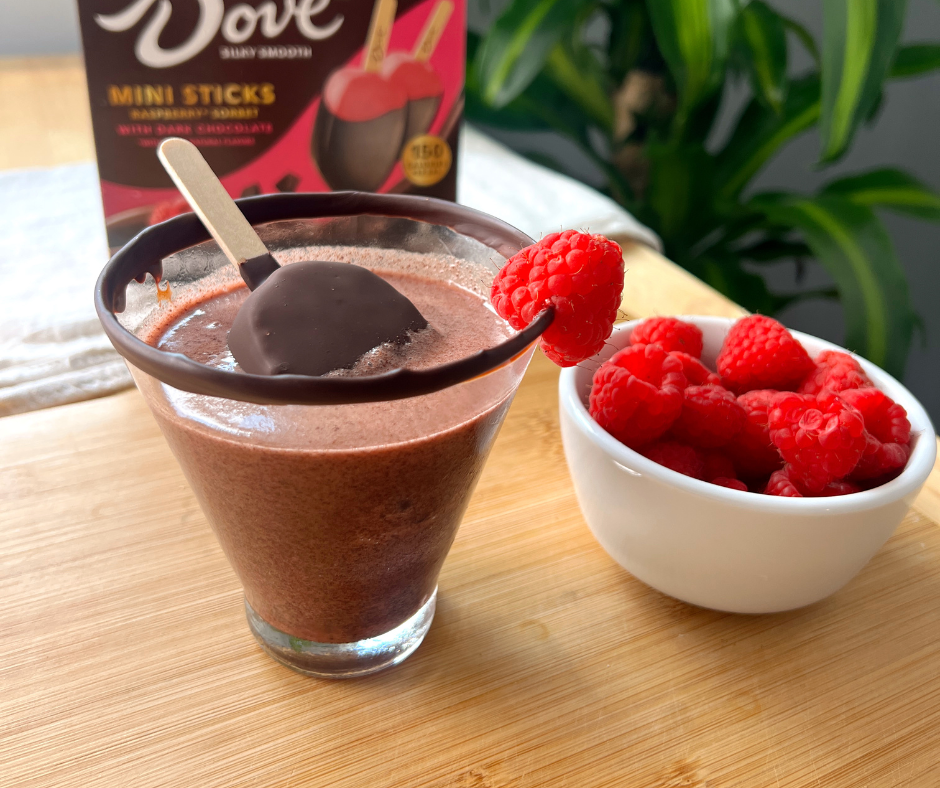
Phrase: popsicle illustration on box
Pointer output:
(416, 76)
(367, 114)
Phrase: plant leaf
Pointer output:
(806, 38)
(693, 36)
(727, 276)
(889, 188)
(914, 60)
(762, 34)
(575, 70)
(760, 132)
(630, 36)
(679, 193)
(518, 115)
(773, 249)
(859, 42)
(515, 48)
(854, 247)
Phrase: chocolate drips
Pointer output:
(315, 317)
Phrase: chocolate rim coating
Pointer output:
(146, 250)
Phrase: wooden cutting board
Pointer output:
(125, 659)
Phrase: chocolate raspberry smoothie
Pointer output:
(335, 497)
(337, 519)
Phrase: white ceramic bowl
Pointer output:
(721, 548)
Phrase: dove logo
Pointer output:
(236, 25)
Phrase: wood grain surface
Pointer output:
(125, 659)
(45, 119)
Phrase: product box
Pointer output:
(279, 95)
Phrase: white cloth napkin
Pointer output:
(53, 246)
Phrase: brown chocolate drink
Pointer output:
(337, 518)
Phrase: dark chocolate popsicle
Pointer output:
(415, 75)
(313, 317)
(359, 130)
(360, 126)
(421, 83)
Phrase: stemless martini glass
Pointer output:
(335, 499)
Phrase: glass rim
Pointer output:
(144, 254)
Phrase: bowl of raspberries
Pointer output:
(739, 466)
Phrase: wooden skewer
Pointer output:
(380, 31)
(433, 29)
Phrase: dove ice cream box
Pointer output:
(279, 95)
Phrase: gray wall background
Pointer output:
(906, 134)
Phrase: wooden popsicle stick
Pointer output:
(216, 209)
(433, 29)
(380, 31)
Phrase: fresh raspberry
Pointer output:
(731, 484)
(884, 418)
(671, 333)
(637, 394)
(839, 488)
(710, 417)
(752, 451)
(695, 371)
(889, 433)
(167, 210)
(821, 438)
(679, 457)
(780, 484)
(718, 466)
(759, 353)
(580, 275)
(879, 459)
(836, 371)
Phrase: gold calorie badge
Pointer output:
(426, 159)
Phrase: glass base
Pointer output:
(343, 660)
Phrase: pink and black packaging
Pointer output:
(279, 96)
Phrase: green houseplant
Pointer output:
(637, 85)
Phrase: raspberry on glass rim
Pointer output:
(580, 275)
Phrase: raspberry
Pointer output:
(839, 488)
(679, 457)
(671, 333)
(780, 484)
(821, 438)
(731, 484)
(889, 433)
(836, 371)
(167, 210)
(718, 466)
(695, 371)
(752, 451)
(884, 418)
(580, 275)
(637, 394)
(710, 417)
(759, 353)
(879, 459)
